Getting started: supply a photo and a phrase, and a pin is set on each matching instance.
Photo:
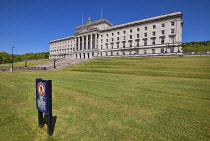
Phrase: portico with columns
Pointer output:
(86, 45)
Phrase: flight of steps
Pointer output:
(60, 63)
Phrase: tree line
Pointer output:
(7, 58)
(199, 47)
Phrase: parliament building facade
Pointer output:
(159, 35)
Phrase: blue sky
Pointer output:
(29, 25)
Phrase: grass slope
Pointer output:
(113, 99)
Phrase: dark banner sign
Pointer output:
(44, 102)
(44, 95)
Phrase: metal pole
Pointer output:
(26, 63)
(40, 119)
(12, 58)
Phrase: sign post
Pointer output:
(44, 102)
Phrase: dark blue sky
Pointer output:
(29, 25)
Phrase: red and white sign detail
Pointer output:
(41, 89)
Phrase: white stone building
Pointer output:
(159, 35)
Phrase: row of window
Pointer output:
(136, 52)
(138, 35)
(138, 29)
(153, 41)
(145, 41)
(61, 46)
(53, 44)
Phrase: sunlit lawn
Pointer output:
(113, 99)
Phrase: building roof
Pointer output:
(92, 23)
(147, 20)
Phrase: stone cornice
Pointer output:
(62, 39)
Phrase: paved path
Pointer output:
(60, 63)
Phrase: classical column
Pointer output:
(86, 42)
(75, 44)
(91, 41)
(95, 40)
(83, 40)
(78, 43)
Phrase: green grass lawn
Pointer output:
(161, 98)
(22, 64)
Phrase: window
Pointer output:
(171, 50)
(107, 35)
(118, 38)
(162, 40)
(163, 32)
(137, 29)
(101, 35)
(130, 36)
(172, 23)
(153, 41)
(123, 52)
(145, 28)
(153, 33)
(118, 33)
(172, 39)
(124, 45)
(123, 37)
(101, 46)
(145, 51)
(130, 30)
(153, 51)
(118, 45)
(112, 39)
(154, 26)
(112, 34)
(106, 54)
(117, 53)
(106, 46)
(172, 31)
(130, 44)
(107, 40)
(145, 34)
(145, 42)
(137, 43)
(124, 32)
(130, 52)
(162, 50)
(101, 40)
(137, 51)
(137, 35)
(112, 46)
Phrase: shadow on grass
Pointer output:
(45, 121)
